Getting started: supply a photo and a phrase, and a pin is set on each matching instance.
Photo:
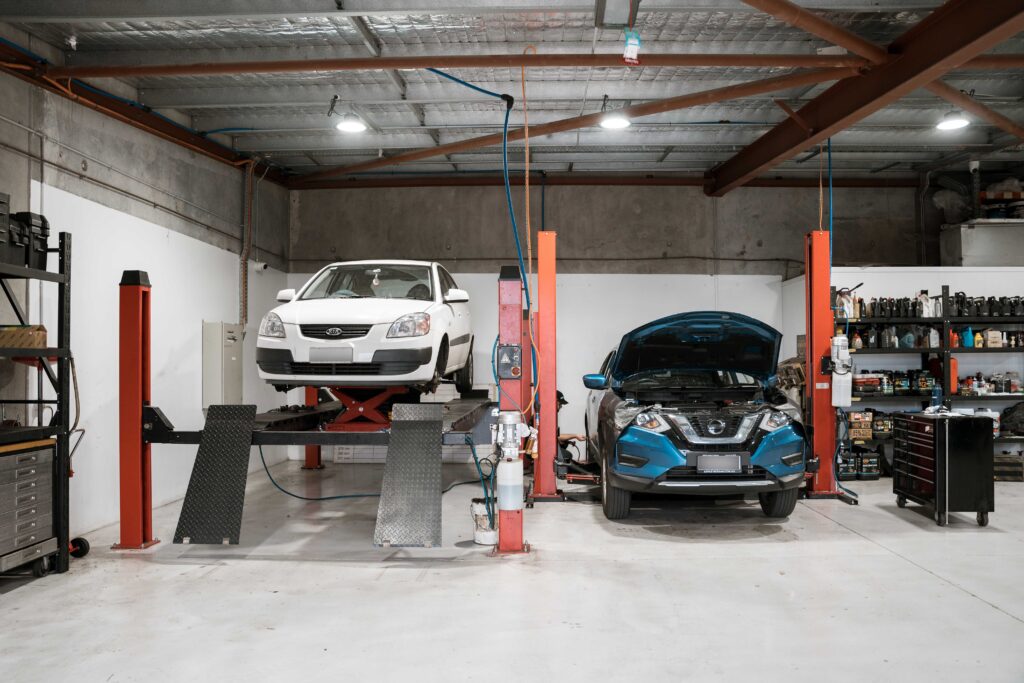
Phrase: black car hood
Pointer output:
(704, 340)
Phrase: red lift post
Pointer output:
(820, 328)
(510, 333)
(134, 378)
(544, 484)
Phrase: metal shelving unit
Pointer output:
(60, 379)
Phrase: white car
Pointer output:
(370, 323)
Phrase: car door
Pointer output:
(594, 399)
(460, 333)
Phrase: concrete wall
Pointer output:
(603, 229)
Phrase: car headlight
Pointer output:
(625, 413)
(271, 326)
(774, 420)
(412, 325)
(651, 422)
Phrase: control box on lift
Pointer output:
(842, 372)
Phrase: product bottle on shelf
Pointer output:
(979, 341)
(858, 342)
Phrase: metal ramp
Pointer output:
(409, 513)
(212, 512)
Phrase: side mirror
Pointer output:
(286, 295)
(456, 296)
(595, 381)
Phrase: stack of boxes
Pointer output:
(861, 425)
(863, 462)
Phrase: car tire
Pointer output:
(779, 503)
(614, 501)
(464, 375)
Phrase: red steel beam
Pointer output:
(798, 61)
(796, 16)
(583, 179)
(952, 39)
(801, 61)
(646, 109)
(544, 484)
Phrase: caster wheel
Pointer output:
(79, 547)
(940, 519)
(901, 501)
(982, 519)
(41, 567)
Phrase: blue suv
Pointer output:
(687, 405)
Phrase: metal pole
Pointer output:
(544, 485)
(135, 453)
(314, 459)
(818, 392)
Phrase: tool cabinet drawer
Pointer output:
(26, 533)
(13, 518)
(47, 546)
(31, 495)
(43, 456)
(25, 473)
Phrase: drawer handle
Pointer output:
(28, 525)
(23, 459)
(26, 473)
(31, 498)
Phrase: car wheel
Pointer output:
(464, 376)
(614, 501)
(440, 367)
(779, 503)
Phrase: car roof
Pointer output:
(387, 262)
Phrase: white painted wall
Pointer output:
(594, 311)
(192, 281)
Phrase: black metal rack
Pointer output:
(59, 425)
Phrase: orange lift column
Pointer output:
(544, 484)
(314, 459)
(136, 486)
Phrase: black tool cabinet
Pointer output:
(944, 461)
(35, 460)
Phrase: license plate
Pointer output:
(335, 354)
(719, 464)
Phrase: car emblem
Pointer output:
(716, 427)
(333, 332)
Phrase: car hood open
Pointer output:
(703, 340)
(368, 311)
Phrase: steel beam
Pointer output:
(575, 123)
(794, 15)
(97, 11)
(960, 34)
(533, 61)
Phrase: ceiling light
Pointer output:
(952, 121)
(350, 123)
(612, 120)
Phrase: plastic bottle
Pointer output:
(858, 342)
(979, 341)
(967, 338)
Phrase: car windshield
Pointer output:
(369, 280)
(689, 379)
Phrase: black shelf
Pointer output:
(10, 435)
(886, 352)
(890, 321)
(987, 397)
(8, 270)
(894, 397)
(10, 352)
(1004, 349)
(991, 319)
(59, 376)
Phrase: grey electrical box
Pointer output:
(222, 364)
(510, 361)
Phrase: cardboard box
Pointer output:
(860, 416)
(860, 433)
(993, 339)
(23, 336)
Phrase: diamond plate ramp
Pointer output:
(409, 513)
(212, 512)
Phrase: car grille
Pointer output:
(347, 331)
(292, 368)
(700, 424)
(690, 473)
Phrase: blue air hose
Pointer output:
(295, 495)
(462, 82)
(483, 482)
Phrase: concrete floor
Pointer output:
(682, 589)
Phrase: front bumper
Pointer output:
(372, 360)
(660, 466)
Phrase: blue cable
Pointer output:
(511, 209)
(295, 495)
(483, 482)
(462, 82)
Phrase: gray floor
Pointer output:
(679, 590)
